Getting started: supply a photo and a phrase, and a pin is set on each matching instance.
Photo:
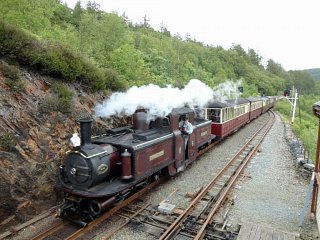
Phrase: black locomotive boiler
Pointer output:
(106, 169)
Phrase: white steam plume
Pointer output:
(227, 90)
(158, 101)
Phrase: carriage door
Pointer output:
(178, 146)
(192, 146)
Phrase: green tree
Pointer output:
(275, 68)
(77, 14)
(31, 15)
(254, 57)
(302, 81)
(130, 65)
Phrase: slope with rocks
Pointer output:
(33, 141)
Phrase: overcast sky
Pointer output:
(286, 31)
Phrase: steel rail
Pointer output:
(202, 231)
(109, 235)
(16, 229)
(108, 214)
(99, 220)
(50, 231)
(173, 229)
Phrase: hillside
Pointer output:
(315, 73)
(125, 54)
(33, 140)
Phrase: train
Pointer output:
(103, 170)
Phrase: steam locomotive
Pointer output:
(106, 169)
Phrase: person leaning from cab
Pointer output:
(185, 126)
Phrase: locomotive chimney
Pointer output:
(140, 120)
(85, 131)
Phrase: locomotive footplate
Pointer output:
(105, 189)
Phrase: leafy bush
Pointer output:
(9, 71)
(115, 83)
(62, 90)
(7, 142)
(12, 75)
(15, 85)
(53, 59)
(54, 103)
(60, 99)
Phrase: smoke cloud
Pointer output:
(160, 101)
(227, 90)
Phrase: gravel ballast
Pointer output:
(272, 193)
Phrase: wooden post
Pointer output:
(315, 185)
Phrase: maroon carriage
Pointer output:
(227, 116)
(255, 107)
(272, 101)
(265, 104)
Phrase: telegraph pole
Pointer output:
(294, 106)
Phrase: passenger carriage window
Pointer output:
(211, 114)
(224, 115)
(214, 115)
(165, 122)
(152, 124)
(231, 113)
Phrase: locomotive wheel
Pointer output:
(170, 171)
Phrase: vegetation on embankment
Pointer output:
(307, 129)
(105, 51)
(108, 51)
(53, 59)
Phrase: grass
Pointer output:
(307, 128)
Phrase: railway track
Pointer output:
(67, 231)
(197, 224)
(146, 218)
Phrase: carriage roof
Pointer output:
(227, 103)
